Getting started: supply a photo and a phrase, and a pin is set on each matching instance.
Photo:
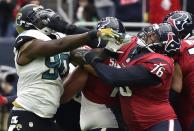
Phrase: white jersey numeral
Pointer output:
(14, 122)
(158, 69)
(124, 91)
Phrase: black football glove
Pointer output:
(48, 18)
(89, 56)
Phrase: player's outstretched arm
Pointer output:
(52, 20)
(37, 48)
(73, 84)
(126, 76)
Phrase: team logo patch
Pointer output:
(171, 43)
(18, 18)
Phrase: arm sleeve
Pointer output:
(128, 76)
(69, 29)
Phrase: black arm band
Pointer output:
(69, 29)
(93, 34)
(73, 29)
(134, 76)
(10, 99)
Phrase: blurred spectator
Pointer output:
(129, 10)
(158, 9)
(37, 2)
(86, 11)
(104, 8)
(6, 19)
(19, 4)
(8, 80)
(8, 12)
(7, 91)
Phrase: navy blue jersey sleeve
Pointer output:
(20, 40)
(161, 68)
(69, 29)
(129, 76)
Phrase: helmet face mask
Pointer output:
(148, 38)
(165, 41)
(116, 25)
(27, 18)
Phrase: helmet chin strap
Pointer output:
(113, 47)
(45, 30)
(187, 36)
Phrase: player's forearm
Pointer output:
(134, 76)
(73, 84)
(74, 41)
(69, 29)
(53, 47)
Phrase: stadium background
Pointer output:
(134, 13)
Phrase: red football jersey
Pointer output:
(99, 92)
(185, 105)
(144, 107)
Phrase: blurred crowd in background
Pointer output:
(151, 11)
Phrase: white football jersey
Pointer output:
(40, 86)
(94, 115)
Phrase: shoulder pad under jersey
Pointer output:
(59, 35)
(29, 35)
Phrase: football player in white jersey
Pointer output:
(97, 112)
(41, 64)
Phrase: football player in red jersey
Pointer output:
(98, 98)
(98, 101)
(142, 74)
(184, 106)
